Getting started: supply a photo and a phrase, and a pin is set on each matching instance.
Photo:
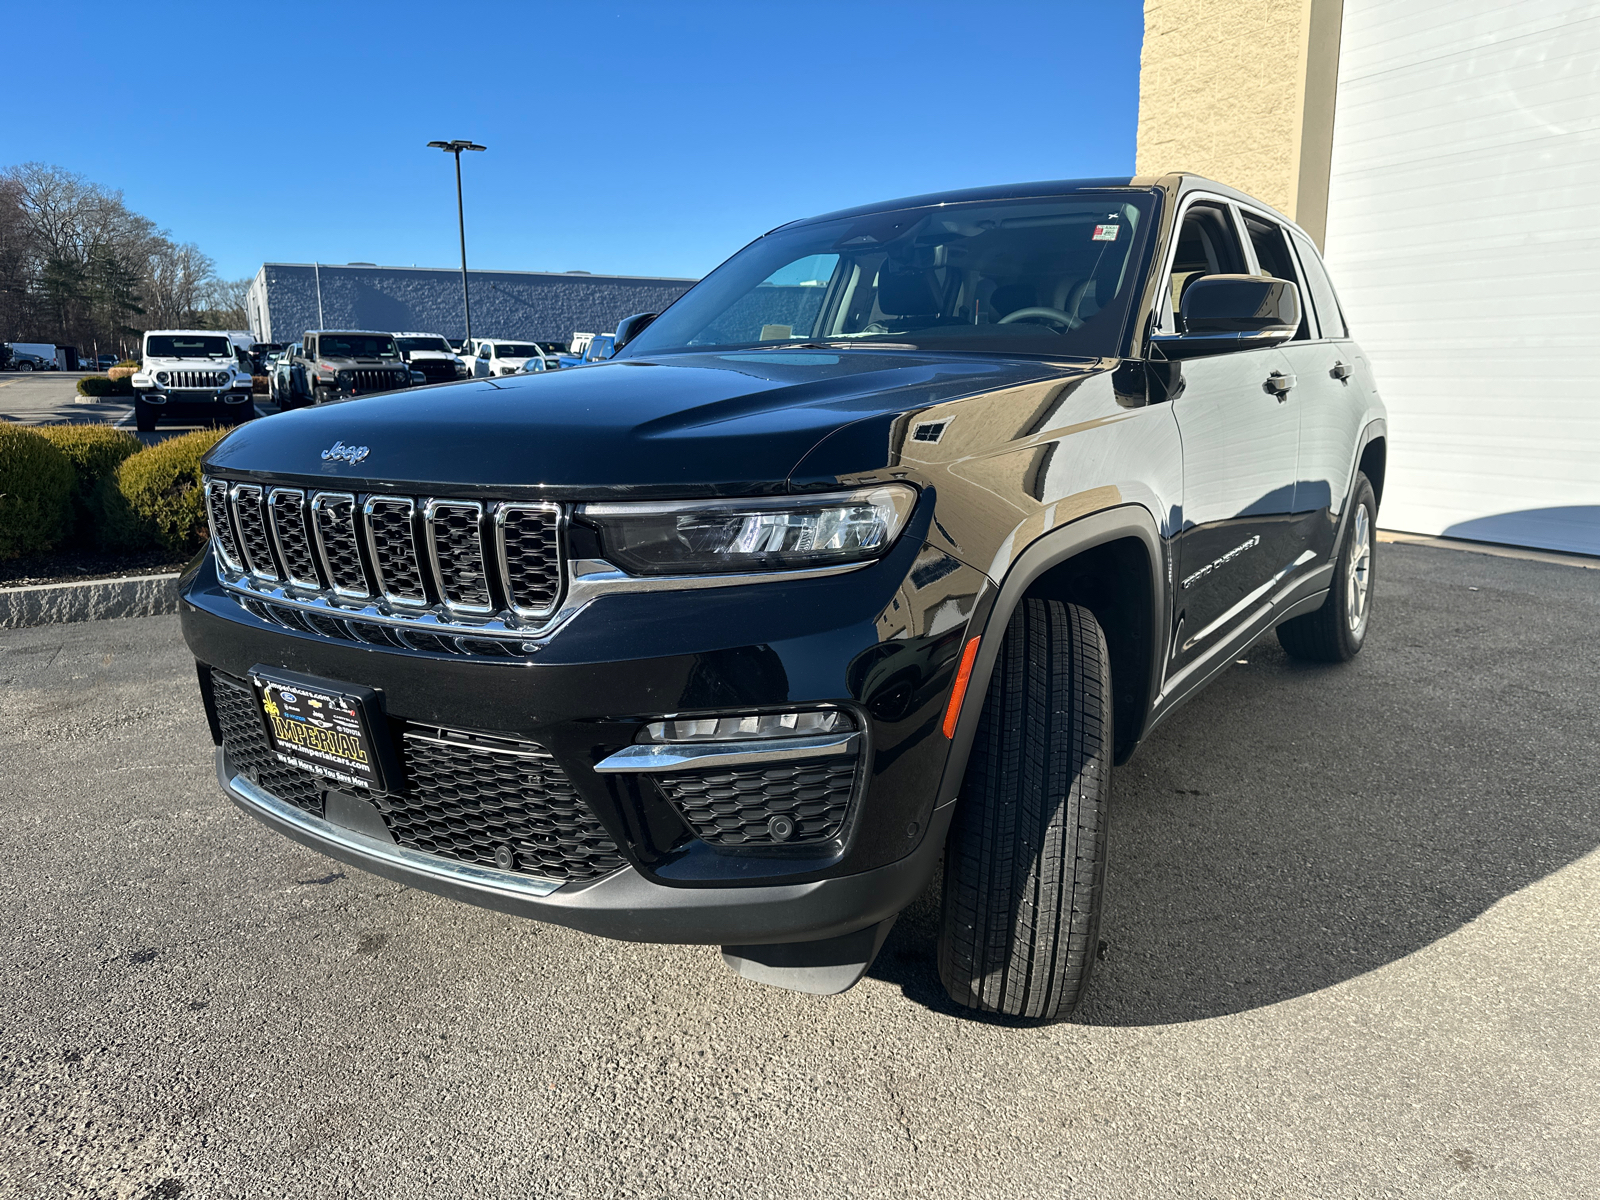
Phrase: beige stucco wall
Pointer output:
(1242, 91)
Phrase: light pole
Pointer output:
(456, 147)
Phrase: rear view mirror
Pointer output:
(1223, 313)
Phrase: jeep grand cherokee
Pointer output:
(879, 546)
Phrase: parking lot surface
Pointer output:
(51, 398)
(1354, 950)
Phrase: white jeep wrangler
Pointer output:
(194, 374)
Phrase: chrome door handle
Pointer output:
(1278, 384)
(1341, 371)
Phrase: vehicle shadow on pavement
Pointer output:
(1298, 825)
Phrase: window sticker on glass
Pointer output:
(1105, 233)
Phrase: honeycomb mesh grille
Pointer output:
(465, 795)
(287, 509)
(469, 797)
(458, 545)
(394, 550)
(221, 522)
(253, 531)
(735, 807)
(532, 539)
(336, 526)
(249, 752)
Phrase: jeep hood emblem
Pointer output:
(351, 454)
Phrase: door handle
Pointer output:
(1278, 384)
(1341, 371)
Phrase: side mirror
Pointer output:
(629, 328)
(1223, 313)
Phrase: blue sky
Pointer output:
(640, 139)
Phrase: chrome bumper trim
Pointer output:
(510, 885)
(684, 756)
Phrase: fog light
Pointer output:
(763, 725)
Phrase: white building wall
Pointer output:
(1464, 238)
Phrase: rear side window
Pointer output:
(1271, 245)
(1329, 316)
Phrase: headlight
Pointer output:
(781, 533)
(461, 370)
(162, 377)
(346, 376)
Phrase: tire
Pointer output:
(144, 417)
(1025, 862)
(1337, 631)
(24, 365)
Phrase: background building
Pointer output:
(1446, 154)
(288, 298)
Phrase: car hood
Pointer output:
(676, 425)
(188, 364)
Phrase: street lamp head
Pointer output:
(457, 146)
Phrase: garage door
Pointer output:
(1464, 237)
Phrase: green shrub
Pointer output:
(94, 452)
(154, 497)
(105, 385)
(35, 493)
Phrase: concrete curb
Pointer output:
(92, 600)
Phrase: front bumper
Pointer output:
(851, 640)
(624, 904)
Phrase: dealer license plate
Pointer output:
(319, 729)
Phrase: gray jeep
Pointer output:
(331, 363)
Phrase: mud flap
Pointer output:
(823, 968)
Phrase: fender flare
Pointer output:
(995, 607)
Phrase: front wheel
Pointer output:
(144, 415)
(1337, 631)
(1025, 863)
(24, 365)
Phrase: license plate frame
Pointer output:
(335, 730)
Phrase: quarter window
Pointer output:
(1329, 316)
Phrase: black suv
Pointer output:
(327, 364)
(879, 546)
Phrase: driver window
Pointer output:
(1207, 245)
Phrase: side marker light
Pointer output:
(959, 691)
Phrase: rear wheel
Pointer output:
(1025, 862)
(1337, 631)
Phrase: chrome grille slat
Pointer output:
(221, 519)
(392, 541)
(333, 520)
(287, 521)
(455, 550)
(251, 523)
(527, 540)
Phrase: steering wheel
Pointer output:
(1054, 315)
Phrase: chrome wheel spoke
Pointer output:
(1358, 571)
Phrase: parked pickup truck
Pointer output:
(880, 548)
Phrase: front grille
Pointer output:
(429, 561)
(469, 796)
(463, 796)
(196, 379)
(378, 380)
(455, 535)
(434, 370)
(250, 754)
(736, 807)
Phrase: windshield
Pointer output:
(1049, 276)
(515, 350)
(167, 345)
(356, 345)
(552, 347)
(436, 344)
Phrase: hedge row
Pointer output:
(99, 486)
(106, 385)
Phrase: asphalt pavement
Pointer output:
(1354, 951)
(51, 398)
